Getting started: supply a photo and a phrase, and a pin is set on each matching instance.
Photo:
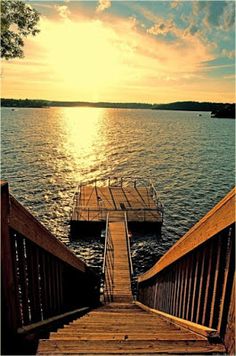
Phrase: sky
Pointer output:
(127, 51)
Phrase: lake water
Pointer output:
(190, 156)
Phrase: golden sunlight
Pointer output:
(82, 54)
(82, 128)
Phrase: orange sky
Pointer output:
(89, 54)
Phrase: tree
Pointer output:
(18, 20)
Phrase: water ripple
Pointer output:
(46, 152)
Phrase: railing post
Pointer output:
(8, 285)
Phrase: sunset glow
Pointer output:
(125, 51)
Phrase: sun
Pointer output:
(83, 55)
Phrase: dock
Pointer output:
(94, 200)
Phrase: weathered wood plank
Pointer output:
(93, 203)
(127, 346)
(121, 274)
(200, 329)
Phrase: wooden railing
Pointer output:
(42, 280)
(108, 265)
(193, 282)
(143, 214)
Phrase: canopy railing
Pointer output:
(193, 281)
(42, 280)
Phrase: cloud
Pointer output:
(228, 54)
(215, 14)
(229, 16)
(63, 11)
(175, 4)
(115, 59)
(103, 5)
(161, 28)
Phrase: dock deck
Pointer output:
(93, 201)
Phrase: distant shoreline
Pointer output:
(221, 110)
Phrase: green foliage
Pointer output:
(18, 20)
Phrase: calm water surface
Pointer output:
(45, 152)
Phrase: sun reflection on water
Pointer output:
(83, 136)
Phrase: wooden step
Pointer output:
(78, 335)
(135, 347)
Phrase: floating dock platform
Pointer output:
(137, 198)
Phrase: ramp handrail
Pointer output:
(128, 247)
(108, 265)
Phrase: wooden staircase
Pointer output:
(125, 329)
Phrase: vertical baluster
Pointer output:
(177, 290)
(61, 268)
(195, 285)
(212, 309)
(155, 295)
(163, 292)
(182, 280)
(228, 256)
(50, 285)
(56, 278)
(23, 279)
(166, 293)
(169, 290)
(172, 291)
(54, 285)
(44, 284)
(186, 281)
(207, 290)
(201, 287)
(33, 278)
(190, 287)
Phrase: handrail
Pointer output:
(108, 265)
(128, 246)
(193, 281)
(221, 216)
(106, 244)
(118, 179)
(24, 223)
(41, 325)
(39, 274)
(85, 208)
